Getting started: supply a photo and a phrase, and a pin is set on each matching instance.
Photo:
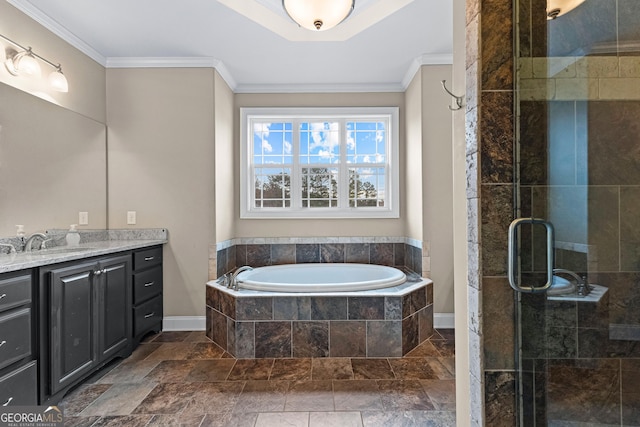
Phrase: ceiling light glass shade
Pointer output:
(318, 15)
(58, 81)
(23, 63)
(557, 8)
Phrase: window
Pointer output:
(319, 163)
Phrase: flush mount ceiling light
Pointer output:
(557, 8)
(24, 62)
(318, 15)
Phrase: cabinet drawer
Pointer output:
(147, 258)
(146, 284)
(20, 387)
(15, 291)
(147, 315)
(15, 336)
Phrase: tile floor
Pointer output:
(183, 379)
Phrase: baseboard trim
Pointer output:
(184, 323)
(444, 320)
(198, 323)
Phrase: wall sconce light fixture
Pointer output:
(24, 62)
(318, 15)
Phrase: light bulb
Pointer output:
(27, 64)
(58, 81)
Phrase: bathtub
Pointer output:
(329, 277)
(320, 310)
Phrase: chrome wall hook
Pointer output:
(458, 99)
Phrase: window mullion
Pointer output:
(343, 182)
(296, 188)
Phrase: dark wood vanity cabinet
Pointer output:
(147, 292)
(18, 364)
(85, 319)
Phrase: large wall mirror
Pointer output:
(52, 165)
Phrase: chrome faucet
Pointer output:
(582, 287)
(233, 281)
(29, 241)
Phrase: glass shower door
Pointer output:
(578, 168)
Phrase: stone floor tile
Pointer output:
(404, 395)
(210, 370)
(213, 397)
(446, 348)
(291, 369)
(205, 350)
(143, 351)
(375, 369)
(262, 396)
(119, 399)
(360, 395)
(333, 368)
(76, 401)
(439, 366)
(171, 351)
(409, 419)
(129, 372)
(179, 420)
(70, 421)
(251, 369)
(198, 336)
(280, 419)
(230, 419)
(310, 396)
(440, 391)
(123, 421)
(335, 419)
(170, 371)
(412, 369)
(172, 336)
(166, 398)
(426, 349)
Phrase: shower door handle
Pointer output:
(514, 254)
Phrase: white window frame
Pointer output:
(392, 165)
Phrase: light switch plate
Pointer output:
(131, 217)
(83, 218)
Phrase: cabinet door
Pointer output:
(115, 305)
(73, 325)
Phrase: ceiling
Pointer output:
(253, 43)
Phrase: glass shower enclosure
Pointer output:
(575, 250)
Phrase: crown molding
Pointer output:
(319, 88)
(172, 62)
(57, 29)
(427, 59)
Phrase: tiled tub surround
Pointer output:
(259, 252)
(379, 323)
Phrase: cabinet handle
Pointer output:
(146, 285)
(3, 296)
(104, 270)
(3, 343)
(148, 258)
(7, 402)
(97, 272)
(146, 316)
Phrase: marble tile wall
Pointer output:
(316, 326)
(581, 92)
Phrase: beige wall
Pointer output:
(161, 165)
(412, 191)
(316, 227)
(437, 186)
(225, 164)
(86, 77)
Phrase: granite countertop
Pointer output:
(91, 244)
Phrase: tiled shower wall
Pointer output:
(390, 251)
(590, 377)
